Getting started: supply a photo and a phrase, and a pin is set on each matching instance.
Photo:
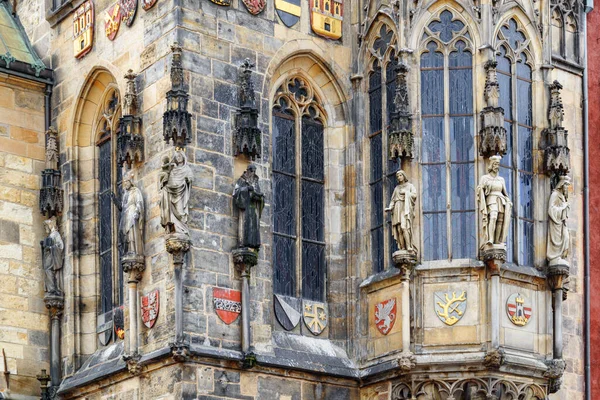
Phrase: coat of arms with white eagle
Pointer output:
(385, 315)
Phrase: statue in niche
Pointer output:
(132, 219)
(558, 233)
(175, 184)
(250, 202)
(494, 205)
(52, 258)
(402, 207)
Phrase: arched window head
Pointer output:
(448, 151)
(565, 29)
(109, 180)
(557, 33)
(516, 167)
(299, 267)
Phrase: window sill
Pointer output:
(570, 66)
(54, 17)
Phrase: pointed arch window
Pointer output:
(298, 192)
(515, 80)
(448, 151)
(109, 181)
(382, 86)
(565, 29)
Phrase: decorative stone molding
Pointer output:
(130, 142)
(51, 194)
(493, 359)
(557, 154)
(400, 141)
(492, 134)
(177, 121)
(247, 135)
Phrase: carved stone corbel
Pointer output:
(493, 359)
(400, 140)
(133, 363)
(492, 133)
(51, 194)
(130, 142)
(177, 121)
(557, 157)
(247, 135)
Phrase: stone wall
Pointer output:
(24, 321)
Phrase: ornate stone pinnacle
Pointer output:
(177, 121)
(176, 67)
(51, 193)
(556, 113)
(130, 97)
(247, 135)
(401, 141)
(130, 142)
(557, 157)
(493, 134)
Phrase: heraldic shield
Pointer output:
(227, 303)
(518, 309)
(128, 11)
(449, 307)
(287, 311)
(105, 327)
(255, 6)
(315, 316)
(385, 315)
(150, 307)
(288, 11)
(112, 21)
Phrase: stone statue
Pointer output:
(402, 207)
(175, 184)
(250, 202)
(52, 258)
(132, 219)
(494, 205)
(558, 233)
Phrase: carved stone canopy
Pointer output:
(130, 142)
(401, 140)
(557, 157)
(492, 134)
(51, 201)
(247, 135)
(177, 121)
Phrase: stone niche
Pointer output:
(380, 344)
(462, 322)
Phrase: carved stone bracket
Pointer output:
(492, 134)
(133, 363)
(179, 351)
(495, 252)
(134, 266)
(244, 257)
(177, 121)
(54, 304)
(401, 141)
(130, 142)
(557, 275)
(177, 245)
(405, 259)
(247, 135)
(51, 194)
(557, 154)
(555, 371)
(406, 362)
(493, 359)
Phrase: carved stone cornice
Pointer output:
(557, 157)
(492, 134)
(247, 135)
(130, 142)
(400, 140)
(177, 121)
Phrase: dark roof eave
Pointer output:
(26, 71)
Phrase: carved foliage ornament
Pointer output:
(247, 135)
(177, 121)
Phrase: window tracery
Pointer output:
(447, 156)
(298, 191)
(565, 15)
(515, 81)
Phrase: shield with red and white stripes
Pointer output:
(519, 309)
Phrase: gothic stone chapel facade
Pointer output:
(285, 199)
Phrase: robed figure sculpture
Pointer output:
(494, 206)
(558, 212)
(402, 207)
(52, 259)
(175, 184)
(250, 202)
(132, 219)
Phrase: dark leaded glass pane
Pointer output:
(377, 249)
(376, 158)
(461, 57)
(507, 174)
(377, 203)
(524, 103)
(525, 195)
(525, 242)
(461, 139)
(284, 262)
(390, 75)
(312, 149)
(313, 271)
(375, 103)
(105, 225)
(432, 84)
(284, 145)
(434, 187)
(435, 240)
(523, 69)
(525, 149)
(106, 281)
(446, 26)
(507, 159)
(463, 188)
(284, 201)
(463, 235)
(433, 148)
(312, 211)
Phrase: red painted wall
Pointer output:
(593, 52)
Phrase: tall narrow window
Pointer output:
(448, 156)
(109, 181)
(298, 192)
(514, 77)
(565, 32)
(376, 175)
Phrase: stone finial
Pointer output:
(557, 157)
(401, 140)
(51, 201)
(130, 142)
(247, 135)
(177, 121)
(493, 134)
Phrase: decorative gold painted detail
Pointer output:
(518, 309)
(83, 29)
(315, 316)
(326, 17)
(450, 309)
